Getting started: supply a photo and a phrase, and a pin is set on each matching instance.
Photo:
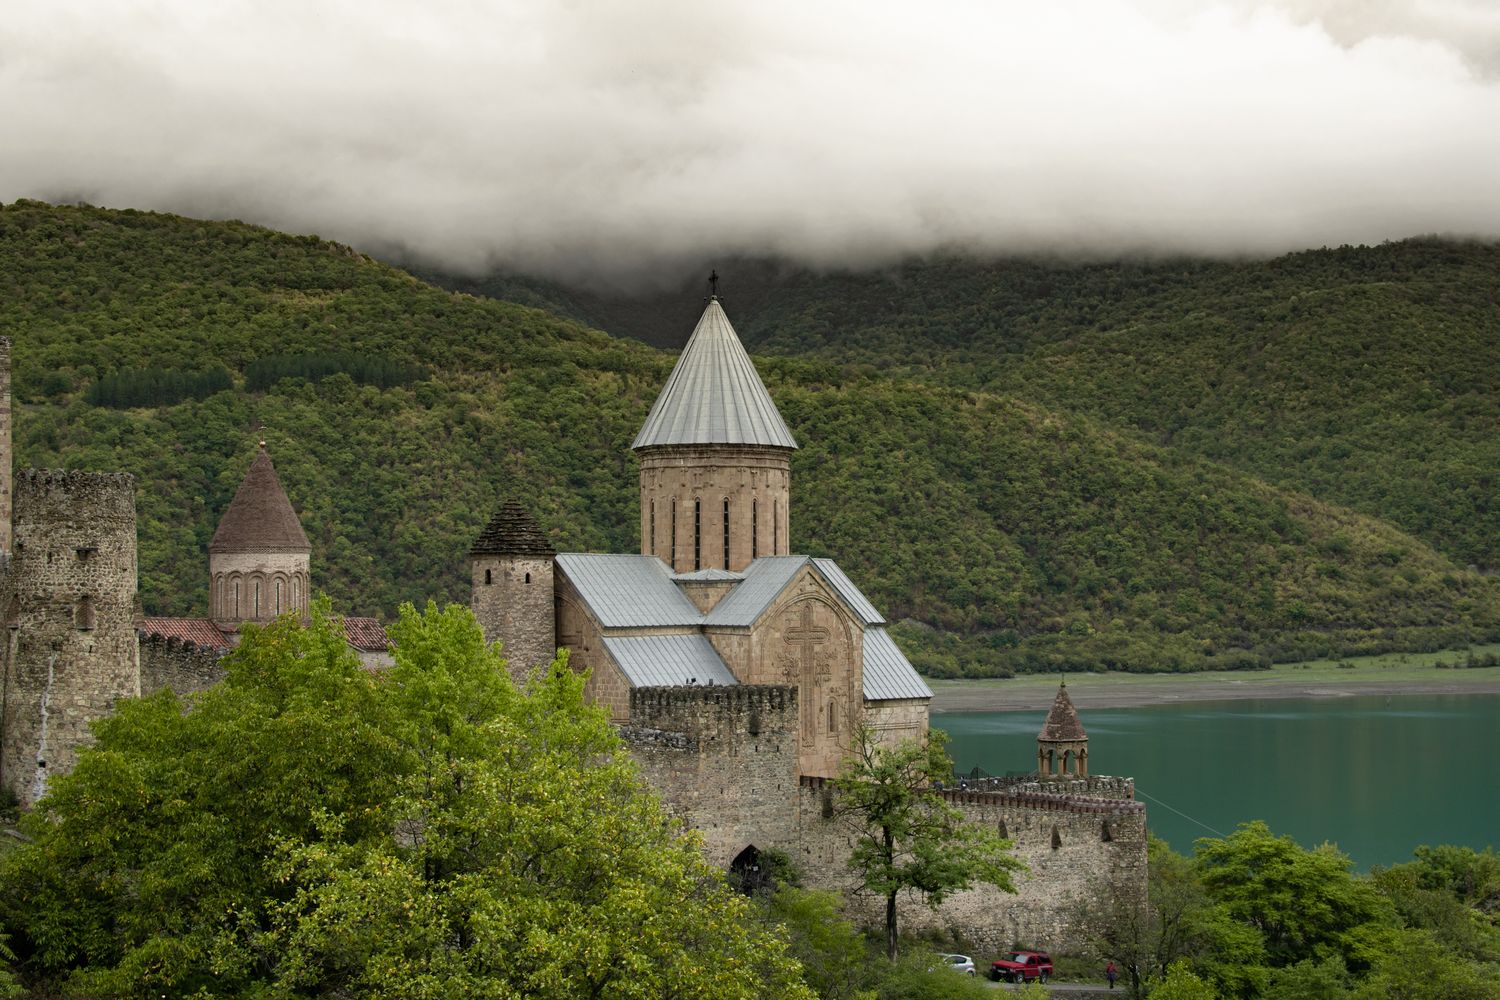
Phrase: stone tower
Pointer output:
(258, 561)
(1062, 747)
(716, 459)
(70, 649)
(510, 568)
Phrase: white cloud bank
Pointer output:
(566, 137)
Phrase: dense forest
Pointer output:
(1014, 521)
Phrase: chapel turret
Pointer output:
(1062, 747)
(259, 559)
(510, 568)
(715, 459)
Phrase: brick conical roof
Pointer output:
(1062, 723)
(260, 518)
(512, 532)
(714, 394)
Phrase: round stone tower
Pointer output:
(1062, 747)
(510, 568)
(716, 459)
(258, 561)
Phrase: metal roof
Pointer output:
(889, 675)
(626, 591)
(765, 578)
(857, 601)
(714, 395)
(711, 575)
(666, 660)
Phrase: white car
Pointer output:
(958, 963)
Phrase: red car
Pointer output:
(1020, 966)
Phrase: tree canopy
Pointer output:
(309, 828)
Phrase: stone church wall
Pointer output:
(182, 666)
(724, 759)
(71, 649)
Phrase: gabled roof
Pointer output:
(512, 532)
(765, 579)
(708, 576)
(1062, 722)
(626, 591)
(668, 660)
(857, 601)
(888, 674)
(366, 635)
(260, 518)
(714, 395)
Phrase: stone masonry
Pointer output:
(689, 489)
(71, 650)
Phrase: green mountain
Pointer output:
(1014, 534)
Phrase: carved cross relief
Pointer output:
(807, 662)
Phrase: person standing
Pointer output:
(1111, 974)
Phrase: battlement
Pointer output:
(1100, 786)
(1078, 805)
(60, 496)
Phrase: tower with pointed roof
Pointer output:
(510, 571)
(715, 459)
(259, 558)
(1062, 747)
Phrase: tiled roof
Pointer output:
(1062, 722)
(888, 674)
(512, 532)
(366, 635)
(667, 660)
(260, 518)
(714, 394)
(198, 631)
(626, 591)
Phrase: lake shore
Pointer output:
(1294, 681)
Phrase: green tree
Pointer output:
(906, 837)
(309, 828)
(1181, 983)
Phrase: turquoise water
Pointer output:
(1377, 776)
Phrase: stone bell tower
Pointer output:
(510, 568)
(1062, 747)
(716, 458)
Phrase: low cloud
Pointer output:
(569, 138)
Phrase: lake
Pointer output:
(1375, 775)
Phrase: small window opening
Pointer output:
(528, 577)
(775, 527)
(489, 578)
(726, 532)
(257, 598)
(1056, 839)
(84, 617)
(697, 534)
(278, 597)
(1105, 834)
(652, 547)
(1004, 833)
(674, 534)
(754, 529)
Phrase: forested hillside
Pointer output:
(1365, 376)
(1015, 534)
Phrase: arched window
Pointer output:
(726, 532)
(489, 577)
(257, 598)
(754, 529)
(775, 527)
(652, 547)
(697, 534)
(236, 601)
(278, 597)
(528, 577)
(674, 535)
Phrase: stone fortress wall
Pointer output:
(169, 662)
(70, 591)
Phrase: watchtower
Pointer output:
(510, 570)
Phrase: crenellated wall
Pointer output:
(71, 647)
(724, 759)
(169, 662)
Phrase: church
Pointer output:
(716, 598)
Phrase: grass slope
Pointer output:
(1014, 537)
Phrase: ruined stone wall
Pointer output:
(181, 666)
(756, 482)
(71, 649)
(1078, 851)
(512, 596)
(724, 759)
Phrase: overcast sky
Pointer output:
(563, 137)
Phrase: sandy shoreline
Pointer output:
(1029, 694)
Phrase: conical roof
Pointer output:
(260, 518)
(715, 395)
(1063, 724)
(512, 532)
